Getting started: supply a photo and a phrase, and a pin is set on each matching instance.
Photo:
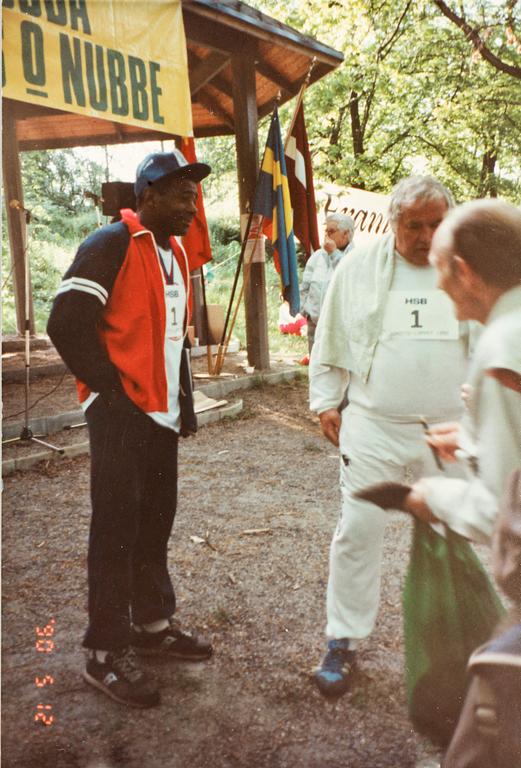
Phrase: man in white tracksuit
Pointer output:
(477, 255)
(390, 337)
(338, 240)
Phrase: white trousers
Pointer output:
(371, 452)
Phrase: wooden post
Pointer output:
(246, 118)
(16, 223)
(198, 318)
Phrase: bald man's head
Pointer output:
(486, 234)
(477, 253)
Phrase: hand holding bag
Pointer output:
(450, 608)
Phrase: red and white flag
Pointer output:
(300, 181)
(196, 242)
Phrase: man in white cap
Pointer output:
(119, 321)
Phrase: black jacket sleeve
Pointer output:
(78, 308)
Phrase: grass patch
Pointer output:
(218, 291)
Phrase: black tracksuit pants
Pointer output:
(134, 494)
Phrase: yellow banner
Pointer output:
(121, 60)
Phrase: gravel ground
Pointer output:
(259, 595)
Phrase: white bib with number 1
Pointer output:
(175, 311)
(420, 315)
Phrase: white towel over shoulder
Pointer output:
(351, 318)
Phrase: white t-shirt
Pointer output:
(175, 307)
(421, 357)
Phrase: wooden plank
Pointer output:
(245, 106)
(22, 110)
(53, 129)
(16, 221)
(43, 128)
(92, 140)
(212, 34)
(198, 317)
(217, 81)
(213, 130)
(231, 22)
(276, 77)
(207, 69)
(212, 105)
(221, 84)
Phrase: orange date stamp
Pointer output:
(44, 644)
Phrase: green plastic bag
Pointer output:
(450, 608)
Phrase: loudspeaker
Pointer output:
(117, 195)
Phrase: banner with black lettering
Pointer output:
(120, 60)
(370, 210)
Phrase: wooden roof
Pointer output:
(215, 30)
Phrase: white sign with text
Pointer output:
(420, 315)
(368, 209)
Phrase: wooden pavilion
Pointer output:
(240, 60)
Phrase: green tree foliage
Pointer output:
(414, 93)
(493, 37)
(54, 186)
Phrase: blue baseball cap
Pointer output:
(160, 164)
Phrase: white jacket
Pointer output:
(316, 278)
(492, 429)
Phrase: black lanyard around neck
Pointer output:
(168, 274)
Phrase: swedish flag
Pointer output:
(272, 201)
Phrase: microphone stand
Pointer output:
(27, 435)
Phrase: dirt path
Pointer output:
(260, 596)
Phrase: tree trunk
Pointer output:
(335, 133)
(356, 125)
(487, 179)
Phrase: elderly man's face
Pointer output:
(340, 237)
(415, 228)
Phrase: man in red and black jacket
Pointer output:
(119, 321)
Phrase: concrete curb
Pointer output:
(37, 372)
(23, 463)
(45, 425)
(48, 425)
(219, 389)
(55, 369)
(234, 346)
(16, 343)
(29, 462)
